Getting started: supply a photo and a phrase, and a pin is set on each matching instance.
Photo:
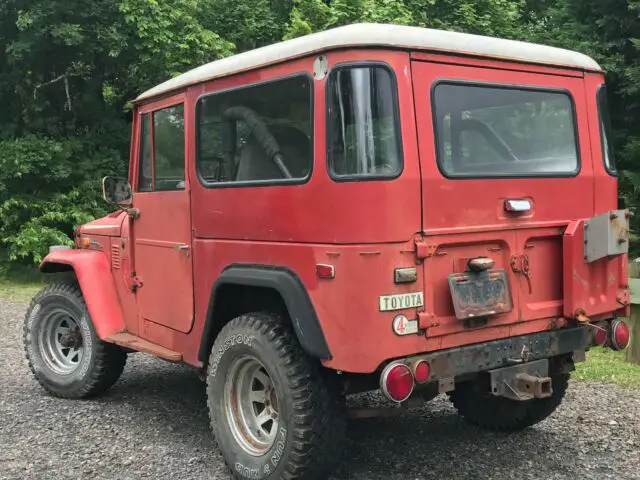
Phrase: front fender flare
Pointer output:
(289, 286)
(96, 282)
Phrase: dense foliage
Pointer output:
(69, 69)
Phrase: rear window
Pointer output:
(490, 131)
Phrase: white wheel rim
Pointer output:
(251, 405)
(60, 342)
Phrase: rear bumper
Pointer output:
(509, 351)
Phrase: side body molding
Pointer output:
(96, 282)
(284, 281)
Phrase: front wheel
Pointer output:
(479, 407)
(275, 412)
(64, 352)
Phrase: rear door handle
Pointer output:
(517, 205)
(182, 248)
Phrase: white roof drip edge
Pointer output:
(379, 35)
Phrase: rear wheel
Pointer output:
(64, 352)
(275, 412)
(485, 410)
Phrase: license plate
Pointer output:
(480, 294)
(401, 301)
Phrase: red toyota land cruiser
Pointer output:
(374, 206)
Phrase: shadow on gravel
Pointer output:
(173, 397)
(431, 442)
(438, 444)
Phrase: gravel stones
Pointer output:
(153, 424)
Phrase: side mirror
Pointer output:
(116, 190)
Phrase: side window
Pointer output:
(363, 138)
(168, 148)
(260, 133)
(162, 150)
(145, 175)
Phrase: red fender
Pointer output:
(94, 276)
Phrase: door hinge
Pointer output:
(424, 250)
(136, 283)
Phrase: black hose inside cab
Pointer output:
(261, 133)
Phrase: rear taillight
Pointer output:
(619, 335)
(396, 382)
(421, 371)
(600, 334)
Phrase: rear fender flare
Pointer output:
(93, 272)
(300, 309)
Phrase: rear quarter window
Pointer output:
(605, 131)
(363, 134)
(504, 131)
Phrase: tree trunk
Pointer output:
(633, 350)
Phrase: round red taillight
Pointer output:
(619, 335)
(421, 371)
(600, 335)
(396, 382)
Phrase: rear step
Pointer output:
(141, 345)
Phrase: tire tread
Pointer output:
(318, 422)
(110, 359)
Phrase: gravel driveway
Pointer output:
(153, 424)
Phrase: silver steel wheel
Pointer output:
(251, 405)
(60, 342)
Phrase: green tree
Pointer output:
(68, 75)
(70, 68)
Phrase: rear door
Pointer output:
(506, 165)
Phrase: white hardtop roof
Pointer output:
(379, 35)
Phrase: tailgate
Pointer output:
(511, 170)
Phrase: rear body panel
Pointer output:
(465, 217)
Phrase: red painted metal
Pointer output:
(110, 226)
(170, 257)
(96, 282)
(163, 260)
(162, 245)
(136, 343)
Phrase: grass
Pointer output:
(19, 285)
(608, 366)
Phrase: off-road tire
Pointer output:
(102, 363)
(478, 407)
(311, 405)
